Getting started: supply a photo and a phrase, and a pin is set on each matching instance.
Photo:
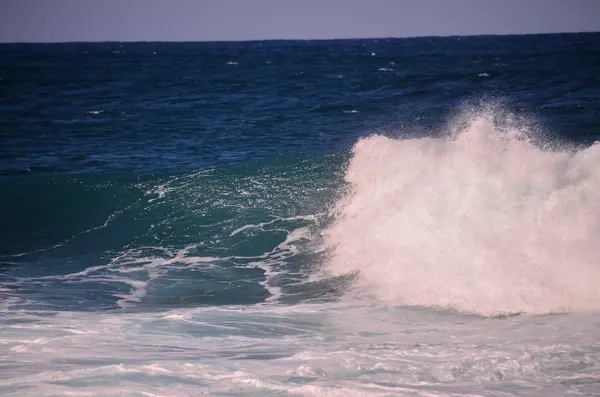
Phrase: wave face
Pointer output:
(481, 220)
(231, 235)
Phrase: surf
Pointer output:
(484, 218)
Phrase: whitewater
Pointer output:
(482, 220)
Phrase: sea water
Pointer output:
(391, 217)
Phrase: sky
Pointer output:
(216, 20)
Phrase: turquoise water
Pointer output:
(385, 217)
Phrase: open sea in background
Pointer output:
(381, 217)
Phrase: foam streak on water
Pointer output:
(480, 221)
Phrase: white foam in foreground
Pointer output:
(304, 350)
(480, 221)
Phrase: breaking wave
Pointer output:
(482, 220)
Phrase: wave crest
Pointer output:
(481, 220)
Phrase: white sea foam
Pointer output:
(263, 224)
(304, 350)
(480, 220)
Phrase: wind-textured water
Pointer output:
(392, 217)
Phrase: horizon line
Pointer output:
(306, 39)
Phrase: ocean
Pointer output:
(374, 217)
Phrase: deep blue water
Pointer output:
(172, 107)
(141, 177)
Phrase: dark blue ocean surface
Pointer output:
(170, 107)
